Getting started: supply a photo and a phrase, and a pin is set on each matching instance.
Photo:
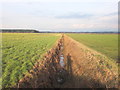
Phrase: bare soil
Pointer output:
(88, 68)
(84, 68)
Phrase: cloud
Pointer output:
(94, 26)
(112, 14)
(59, 16)
(110, 18)
(82, 26)
(74, 16)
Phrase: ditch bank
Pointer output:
(47, 73)
(88, 68)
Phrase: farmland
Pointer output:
(106, 44)
(20, 52)
(32, 60)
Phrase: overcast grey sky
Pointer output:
(60, 15)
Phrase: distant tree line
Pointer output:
(18, 31)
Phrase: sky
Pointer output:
(59, 15)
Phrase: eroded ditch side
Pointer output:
(48, 72)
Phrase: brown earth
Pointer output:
(84, 68)
(88, 68)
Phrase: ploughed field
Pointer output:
(33, 60)
(106, 44)
(20, 51)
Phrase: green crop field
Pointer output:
(106, 44)
(20, 51)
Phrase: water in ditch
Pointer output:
(62, 61)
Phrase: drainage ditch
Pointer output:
(50, 72)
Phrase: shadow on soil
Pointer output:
(54, 77)
(75, 81)
(69, 64)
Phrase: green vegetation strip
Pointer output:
(107, 44)
(20, 51)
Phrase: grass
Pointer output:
(19, 53)
(107, 44)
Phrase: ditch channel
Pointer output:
(48, 73)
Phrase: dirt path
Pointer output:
(87, 68)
